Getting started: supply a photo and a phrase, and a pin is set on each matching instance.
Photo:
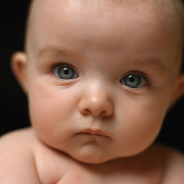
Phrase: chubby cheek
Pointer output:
(141, 121)
(51, 110)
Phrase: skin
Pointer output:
(103, 42)
(96, 98)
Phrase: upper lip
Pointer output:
(93, 132)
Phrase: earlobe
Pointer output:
(178, 90)
(18, 66)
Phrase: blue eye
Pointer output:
(133, 81)
(65, 73)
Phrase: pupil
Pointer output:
(66, 72)
(132, 79)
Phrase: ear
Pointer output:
(19, 66)
(178, 90)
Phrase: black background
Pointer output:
(13, 102)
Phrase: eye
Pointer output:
(133, 81)
(65, 73)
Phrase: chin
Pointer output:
(91, 158)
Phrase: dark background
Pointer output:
(13, 102)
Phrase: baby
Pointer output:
(100, 76)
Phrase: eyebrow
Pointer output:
(152, 61)
(50, 51)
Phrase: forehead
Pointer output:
(53, 21)
(169, 7)
(101, 13)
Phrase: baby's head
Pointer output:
(100, 75)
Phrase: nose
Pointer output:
(96, 103)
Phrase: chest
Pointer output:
(56, 168)
(80, 177)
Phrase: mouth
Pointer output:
(93, 132)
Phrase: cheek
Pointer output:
(140, 121)
(51, 109)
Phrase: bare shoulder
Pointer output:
(23, 139)
(173, 164)
(25, 132)
(17, 164)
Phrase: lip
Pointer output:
(93, 132)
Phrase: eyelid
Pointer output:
(54, 66)
(60, 64)
(139, 73)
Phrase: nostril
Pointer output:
(107, 112)
(96, 106)
(104, 112)
(85, 111)
(95, 113)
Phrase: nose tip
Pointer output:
(96, 106)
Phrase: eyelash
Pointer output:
(139, 73)
(54, 66)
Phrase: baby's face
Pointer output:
(99, 76)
